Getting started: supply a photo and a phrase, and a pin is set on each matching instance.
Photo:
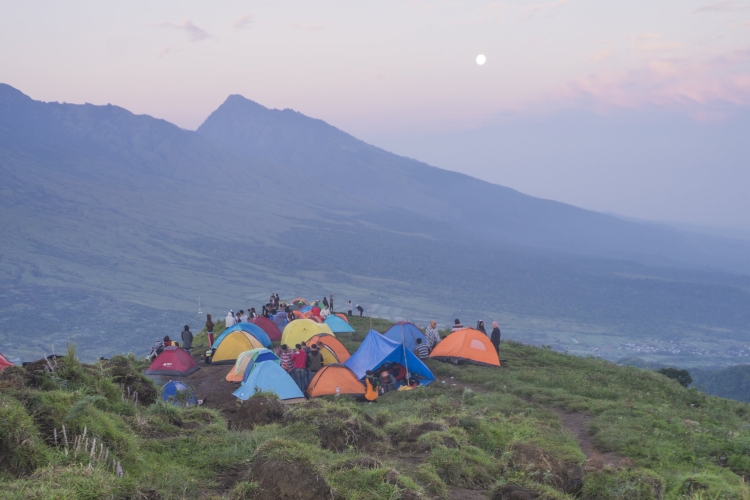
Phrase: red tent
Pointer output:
(268, 326)
(4, 363)
(173, 361)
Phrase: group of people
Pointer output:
(494, 335)
(302, 362)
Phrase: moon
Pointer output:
(481, 59)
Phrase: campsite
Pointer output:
(542, 425)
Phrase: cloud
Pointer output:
(166, 50)
(670, 81)
(195, 34)
(242, 22)
(307, 27)
(726, 6)
(652, 42)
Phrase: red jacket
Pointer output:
(299, 360)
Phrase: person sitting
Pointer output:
(187, 338)
(423, 352)
(457, 325)
(371, 389)
(387, 381)
(399, 372)
(167, 341)
(325, 313)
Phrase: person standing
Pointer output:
(209, 330)
(349, 308)
(243, 316)
(325, 302)
(457, 325)
(230, 319)
(495, 336)
(480, 327)
(316, 362)
(432, 335)
(187, 338)
(299, 364)
(360, 309)
(286, 358)
(330, 302)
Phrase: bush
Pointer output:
(22, 449)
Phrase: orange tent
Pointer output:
(306, 315)
(330, 377)
(466, 345)
(342, 316)
(331, 344)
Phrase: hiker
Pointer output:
(167, 341)
(456, 325)
(330, 302)
(286, 358)
(349, 308)
(398, 371)
(495, 336)
(230, 319)
(325, 313)
(371, 389)
(316, 311)
(480, 327)
(187, 338)
(243, 316)
(325, 302)
(360, 309)
(306, 348)
(299, 363)
(209, 330)
(432, 335)
(252, 314)
(423, 351)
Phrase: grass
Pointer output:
(680, 443)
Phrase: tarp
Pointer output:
(406, 332)
(329, 377)
(300, 330)
(178, 394)
(269, 377)
(333, 351)
(270, 328)
(232, 345)
(173, 361)
(4, 363)
(466, 345)
(245, 359)
(377, 349)
(338, 325)
(250, 328)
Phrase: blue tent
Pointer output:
(281, 320)
(405, 332)
(262, 355)
(269, 377)
(178, 394)
(377, 349)
(250, 328)
(305, 309)
(338, 325)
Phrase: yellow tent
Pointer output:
(302, 330)
(238, 370)
(233, 345)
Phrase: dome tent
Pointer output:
(301, 330)
(466, 346)
(232, 345)
(270, 328)
(330, 377)
(406, 332)
(338, 325)
(269, 377)
(173, 361)
(376, 350)
(4, 362)
(249, 328)
(333, 350)
(178, 394)
(246, 360)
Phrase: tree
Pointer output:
(681, 376)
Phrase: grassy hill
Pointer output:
(531, 429)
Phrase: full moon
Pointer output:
(481, 59)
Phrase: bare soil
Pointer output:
(579, 424)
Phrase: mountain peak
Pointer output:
(12, 94)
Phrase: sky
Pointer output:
(640, 108)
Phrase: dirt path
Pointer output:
(579, 424)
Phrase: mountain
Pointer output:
(115, 222)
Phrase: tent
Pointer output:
(305, 309)
(299, 301)
(342, 316)
(280, 321)
(406, 332)
(331, 376)
(246, 359)
(377, 349)
(173, 361)
(178, 394)
(270, 328)
(333, 350)
(301, 330)
(269, 377)
(466, 345)
(261, 357)
(249, 328)
(4, 363)
(231, 346)
(338, 325)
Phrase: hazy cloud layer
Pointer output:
(195, 34)
(242, 22)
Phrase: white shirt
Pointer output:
(230, 320)
(243, 319)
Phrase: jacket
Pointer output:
(316, 361)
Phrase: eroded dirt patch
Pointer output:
(579, 424)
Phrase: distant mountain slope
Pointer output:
(111, 220)
(469, 205)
